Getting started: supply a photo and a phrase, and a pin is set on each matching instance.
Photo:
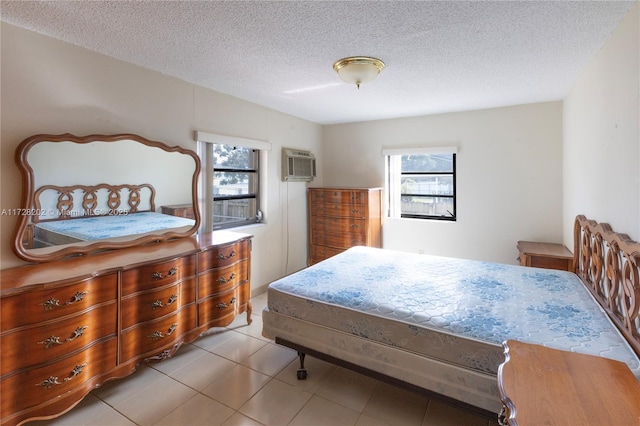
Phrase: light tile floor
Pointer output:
(234, 376)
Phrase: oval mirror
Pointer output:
(99, 192)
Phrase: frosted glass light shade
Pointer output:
(358, 69)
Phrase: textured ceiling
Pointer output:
(440, 56)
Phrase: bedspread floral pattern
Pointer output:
(429, 305)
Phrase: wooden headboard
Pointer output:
(69, 202)
(607, 263)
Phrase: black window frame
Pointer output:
(257, 217)
(452, 217)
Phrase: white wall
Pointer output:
(602, 138)
(509, 177)
(53, 87)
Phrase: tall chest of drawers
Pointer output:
(340, 218)
(69, 326)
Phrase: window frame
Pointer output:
(393, 182)
(255, 170)
(206, 142)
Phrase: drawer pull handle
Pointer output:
(223, 280)
(353, 225)
(54, 303)
(158, 303)
(356, 211)
(50, 304)
(502, 416)
(76, 370)
(53, 380)
(158, 275)
(223, 305)
(77, 297)
(77, 333)
(50, 342)
(223, 257)
(157, 335)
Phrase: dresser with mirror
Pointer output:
(111, 281)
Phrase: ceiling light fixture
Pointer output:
(358, 69)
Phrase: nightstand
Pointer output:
(182, 210)
(545, 255)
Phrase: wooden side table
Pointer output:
(545, 255)
(539, 385)
(182, 210)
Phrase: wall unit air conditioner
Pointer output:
(298, 165)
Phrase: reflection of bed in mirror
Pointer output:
(85, 213)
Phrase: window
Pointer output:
(421, 183)
(235, 186)
(232, 170)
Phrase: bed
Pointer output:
(437, 324)
(81, 213)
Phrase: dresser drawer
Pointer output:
(155, 303)
(31, 346)
(319, 253)
(36, 306)
(152, 336)
(157, 274)
(38, 385)
(223, 256)
(355, 211)
(222, 279)
(221, 309)
(339, 240)
(338, 196)
(337, 224)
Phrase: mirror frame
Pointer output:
(67, 250)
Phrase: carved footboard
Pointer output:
(608, 264)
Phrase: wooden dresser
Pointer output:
(540, 385)
(68, 326)
(340, 218)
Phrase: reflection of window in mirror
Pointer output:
(231, 186)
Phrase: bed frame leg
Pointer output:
(302, 372)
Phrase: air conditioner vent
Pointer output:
(298, 165)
